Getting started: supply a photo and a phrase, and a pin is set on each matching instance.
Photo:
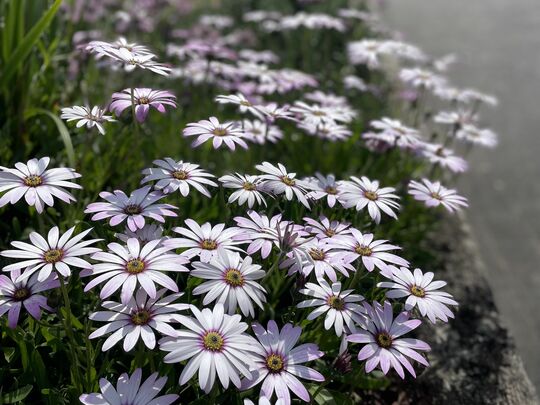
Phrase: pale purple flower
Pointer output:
(354, 82)
(215, 344)
(324, 187)
(457, 118)
(434, 194)
(340, 307)
(444, 157)
(204, 240)
(56, 253)
(229, 133)
(142, 99)
(172, 176)
(130, 391)
(363, 192)
(244, 105)
(472, 134)
(37, 184)
(395, 133)
(91, 117)
(326, 99)
(319, 114)
(232, 282)
(374, 253)
(99, 46)
(326, 130)
(138, 318)
(23, 292)
(260, 132)
(273, 112)
(131, 265)
(326, 229)
(279, 365)
(421, 292)
(247, 189)
(311, 21)
(476, 96)
(261, 232)
(384, 345)
(421, 78)
(279, 181)
(133, 59)
(146, 234)
(141, 203)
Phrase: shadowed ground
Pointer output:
(498, 45)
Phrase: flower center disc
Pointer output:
(384, 340)
(33, 180)
(418, 291)
(133, 209)
(245, 103)
(274, 363)
(249, 186)
(331, 190)
(288, 181)
(363, 250)
(234, 278)
(336, 302)
(135, 266)
(213, 341)
(180, 175)
(141, 317)
(209, 244)
(329, 232)
(53, 255)
(319, 113)
(371, 195)
(21, 294)
(220, 132)
(316, 254)
(435, 195)
(144, 100)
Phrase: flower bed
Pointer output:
(246, 221)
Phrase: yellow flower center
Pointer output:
(319, 113)
(288, 181)
(213, 341)
(220, 131)
(418, 291)
(331, 190)
(245, 103)
(135, 266)
(384, 340)
(33, 180)
(329, 232)
(53, 255)
(180, 174)
(371, 195)
(274, 363)
(317, 254)
(363, 250)
(234, 278)
(435, 195)
(132, 209)
(141, 317)
(209, 244)
(249, 186)
(336, 302)
(21, 294)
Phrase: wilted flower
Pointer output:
(142, 99)
(37, 184)
(90, 117)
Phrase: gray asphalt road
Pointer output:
(498, 45)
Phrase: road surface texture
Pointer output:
(498, 46)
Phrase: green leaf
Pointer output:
(17, 395)
(62, 129)
(21, 52)
(323, 397)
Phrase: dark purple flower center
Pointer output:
(275, 363)
(384, 340)
(140, 317)
(33, 180)
(21, 294)
(234, 278)
(213, 341)
(53, 255)
(133, 209)
(135, 266)
(418, 291)
(143, 100)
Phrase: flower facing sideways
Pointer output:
(91, 117)
(142, 99)
(229, 133)
(434, 194)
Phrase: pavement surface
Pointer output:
(498, 46)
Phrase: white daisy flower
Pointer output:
(247, 189)
(444, 157)
(244, 105)
(260, 132)
(326, 229)
(137, 319)
(340, 307)
(229, 133)
(56, 253)
(421, 78)
(146, 234)
(215, 344)
(434, 194)
(172, 176)
(363, 192)
(37, 184)
(90, 117)
(324, 187)
(474, 135)
(132, 60)
(278, 181)
(421, 292)
(232, 282)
